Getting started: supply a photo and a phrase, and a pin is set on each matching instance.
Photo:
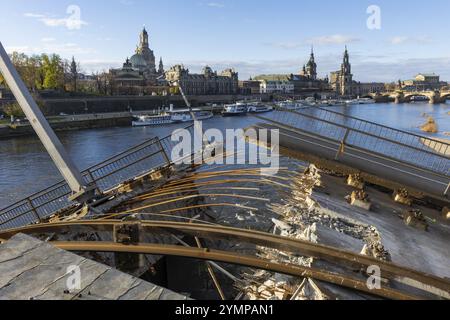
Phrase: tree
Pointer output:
(13, 109)
(53, 69)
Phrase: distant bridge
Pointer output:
(434, 96)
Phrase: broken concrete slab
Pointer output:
(34, 270)
(326, 236)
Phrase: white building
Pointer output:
(276, 84)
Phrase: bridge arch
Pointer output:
(445, 97)
(408, 97)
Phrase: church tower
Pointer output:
(311, 67)
(143, 50)
(346, 76)
(161, 67)
(144, 40)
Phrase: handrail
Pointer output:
(384, 126)
(371, 134)
(47, 199)
(437, 159)
(379, 124)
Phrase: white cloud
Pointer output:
(23, 49)
(333, 39)
(72, 22)
(286, 45)
(91, 66)
(69, 23)
(48, 39)
(215, 5)
(64, 49)
(403, 40)
(365, 68)
(34, 15)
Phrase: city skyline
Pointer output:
(252, 37)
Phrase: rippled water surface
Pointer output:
(26, 168)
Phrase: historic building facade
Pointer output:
(342, 80)
(275, 83)
(249, 87)
(309, 70)
(423, 82)
(139, 74)
(209, 82)
(304, 82)
(343, 84)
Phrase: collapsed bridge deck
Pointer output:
(407, 159)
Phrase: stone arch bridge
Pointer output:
(435, 97)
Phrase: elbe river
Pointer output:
(26, 168)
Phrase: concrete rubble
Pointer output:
(415, 218)
(302, 218)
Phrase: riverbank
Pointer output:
(117, 104)
(71, 123)
(84, 121)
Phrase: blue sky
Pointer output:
(253, 36)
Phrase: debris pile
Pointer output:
(377, 251)
(263, 286)
(415, 218)
(356, 181)
(402, 196)
(361, 195)
(300, 218)
(359, 199)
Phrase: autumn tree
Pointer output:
(13, 109)
(53, 69)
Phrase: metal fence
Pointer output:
(379, 130)
(151, 155)
(377, 139)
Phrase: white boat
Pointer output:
(333, 103)
(258, 108)
(235, 110)
(290, 105)
(352, 102)
(181, 116)
(143, 121)
(366, 101)
(176, 116)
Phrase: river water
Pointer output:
(26, 168)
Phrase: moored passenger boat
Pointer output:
(258, 108)
(143, 121)
(235, 110)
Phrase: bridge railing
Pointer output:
(149, 156)
(374, 138)
(401, 136)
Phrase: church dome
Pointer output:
(138, 61)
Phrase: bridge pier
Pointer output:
(399, 99)
(435, 98)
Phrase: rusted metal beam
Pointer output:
(237, 259)
(429, 283)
